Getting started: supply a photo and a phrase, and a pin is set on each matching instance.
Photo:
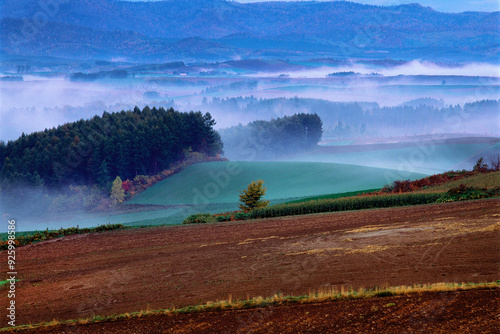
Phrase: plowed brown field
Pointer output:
(452, 312)
(154, 268)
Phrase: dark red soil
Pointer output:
(451, 312)
(154, 268)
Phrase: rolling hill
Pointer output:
(214, 187)
(220, 182)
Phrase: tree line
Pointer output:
(369, 119)
(95, 151)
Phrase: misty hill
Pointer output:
(220, 29)
(283, 180)
(264, 140)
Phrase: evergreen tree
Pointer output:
(251, 198)
(7, 170)
(103, 177)
(36, 181)
(3, 148)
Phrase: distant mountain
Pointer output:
(219, 29)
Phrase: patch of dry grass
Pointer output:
(248, 241)
(460, 228)
(318, 251)
(371, 249)
(372, 228)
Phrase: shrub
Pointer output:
(463, 193)
(242, 216)
(199, 218)
(480, 165)
(402, 186)
(495, 163)
(223, 217)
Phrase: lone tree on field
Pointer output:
(117, 191)
(251, 197)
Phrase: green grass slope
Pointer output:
(423, 157)
(221, 182)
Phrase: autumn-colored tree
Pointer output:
(117, 191)
(251, 198)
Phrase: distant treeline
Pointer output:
(95, 151)
(367, 119)
(272, 139)
(115, 74)
(239, 85)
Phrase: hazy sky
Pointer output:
(441, 5)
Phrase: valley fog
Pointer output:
(45, 100)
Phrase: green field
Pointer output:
(426, 157)
(334, 196)
(220, 182)
(214, 187)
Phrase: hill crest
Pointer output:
(327, 24)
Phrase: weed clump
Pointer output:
(463, 193)
(199, 218)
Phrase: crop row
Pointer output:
(343, 204)
(318, 206)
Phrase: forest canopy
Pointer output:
(95, 151)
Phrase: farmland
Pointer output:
(214, 187)
(164, 267)
(314, 265)
(220, 182)
(249, 166)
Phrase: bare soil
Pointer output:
(452, 312)
(154, 268)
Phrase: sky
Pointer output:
(452, 6)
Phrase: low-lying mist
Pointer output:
(412, 68)
(42, 101)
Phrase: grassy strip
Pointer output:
(481, 181)
(334, 196)
(276, 300)
(446, 180)
(26, 239)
